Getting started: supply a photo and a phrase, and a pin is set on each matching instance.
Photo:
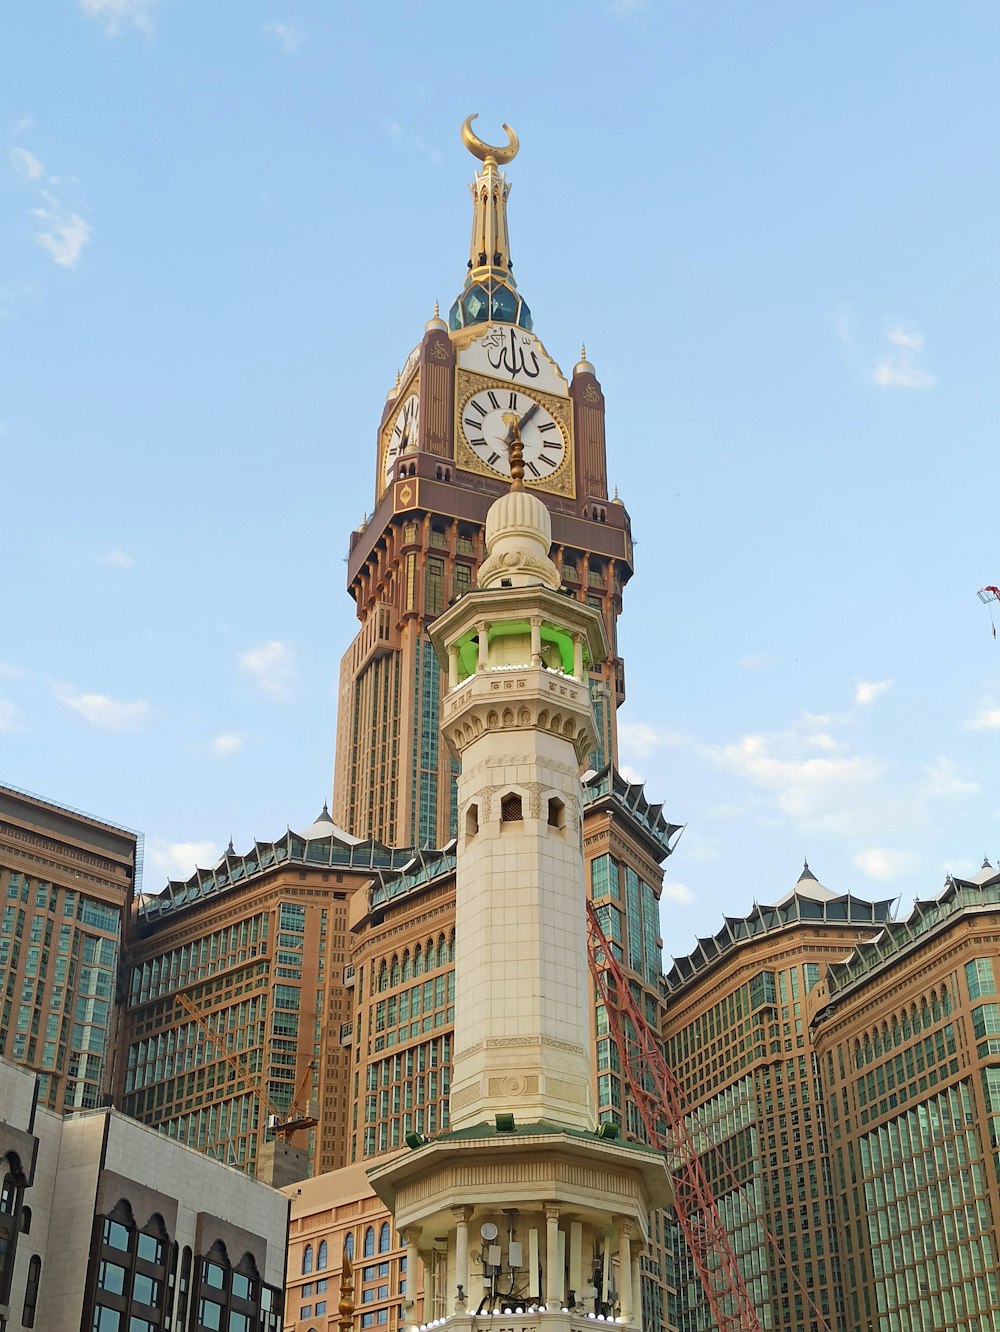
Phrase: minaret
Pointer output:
(560, 1207)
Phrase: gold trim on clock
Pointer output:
(561, 481)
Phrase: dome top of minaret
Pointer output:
(490, 293)
(518, 531)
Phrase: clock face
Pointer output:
(487, 420)
(402, 434)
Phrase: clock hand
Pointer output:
(518, 426)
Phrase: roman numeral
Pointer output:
(478, 407)
(549, 425)
(398, 432)
(532, 468)
(493, 459)
(513, 402)
(479, 443)
(471, 422)
(552, 444)
(494, 400)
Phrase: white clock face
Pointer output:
(487, 420)
(402, 434)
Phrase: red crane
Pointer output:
(658, 1100)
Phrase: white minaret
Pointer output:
(542, 1214)
(518, 715)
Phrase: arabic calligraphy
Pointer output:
(505, 353)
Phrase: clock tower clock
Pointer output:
(441, 460)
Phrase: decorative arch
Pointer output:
(384, 1238)
(369, 1249)
(322, 1256)
(349, 1246)
(307, 1260)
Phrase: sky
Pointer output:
(222, 229)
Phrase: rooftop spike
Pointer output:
(806, 872)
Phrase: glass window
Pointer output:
(116, 1236)
(150, 1249)
(979, 977)
(307, 1258)
(210, 1315)
(215, 1276)
(322, 1256)
(242, 1286)
(136, 1324)
(111, 1277)
(146, 1291)
(369, 1242)
(107, 1320)
(383, 1238)
(239, 1322)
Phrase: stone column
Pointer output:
(453, 666)
(578, 656)
(553, 1277)
(625, 1295)
(484, 646)
(637, 1287)
(411, 1237)
(461, 1215)
(576, 1257)
(536, 640)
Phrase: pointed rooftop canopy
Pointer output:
(490, 292)
(324, 826)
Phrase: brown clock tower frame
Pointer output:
(420, 549)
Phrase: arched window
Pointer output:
(418, 961)
(307, 1259)
(407, 965)
(383, 1238)
(510, 808)
(31, 1291)
(349, 1246)
(369, 1241)
(321, 1256)
(25, 1220)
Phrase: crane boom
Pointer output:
(658, 1100)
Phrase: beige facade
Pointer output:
(737, 1036)
(907, 1038)
(106, 1224)
(66, 885)
(258, 947)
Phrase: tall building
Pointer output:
(439, 465)
(107, 1226)
(560, 1206)
(737, 1036)
(66, 889)
(236, 998)
(907, 1038)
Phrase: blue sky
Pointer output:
(222, 228)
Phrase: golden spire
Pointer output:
(515, 448)
(490, 292)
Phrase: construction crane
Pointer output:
(282, 1126)
(665, 1119)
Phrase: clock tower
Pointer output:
(441, 461)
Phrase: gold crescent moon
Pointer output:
(483, 150)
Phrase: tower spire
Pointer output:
(490, 292)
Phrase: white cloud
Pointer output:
(116, 14)
(678, 892)
(229, 742)
(271, 667)
(8, 715)
(6, 669)
(755, 661)
(291, 38)
(639, 739)
(867, 691)
(986, 719)
(107, 714)
(899, 367)
(880, 863)
(179, 860)
(115, 559)
(942, 781)
(63, 235)
(26, 164)
(631, 774)
(896, 366)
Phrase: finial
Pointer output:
(515, 447)
(583, 366)
(806, 872)
(346, 1305)
(230, 849)
(437, 310)
(484, 151)
(583, 351)
(435, 322)
(986, 863)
